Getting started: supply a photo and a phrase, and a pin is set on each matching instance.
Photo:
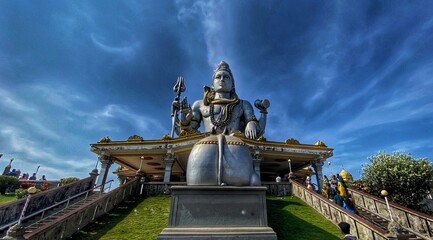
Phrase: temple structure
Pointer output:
(166, 159)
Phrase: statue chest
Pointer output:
(220, 110)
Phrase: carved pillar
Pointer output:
(318, 165)
(256, 162)
(106, 163)
(140, 175)
(169, 161)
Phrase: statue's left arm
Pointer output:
(262, 105)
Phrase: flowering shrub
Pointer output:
(407, 180)
(44, 186)
(25, 185)
(20, 192)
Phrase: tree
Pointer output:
(407, 180)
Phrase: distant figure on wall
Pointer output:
(43, 178)
(309, 184)
(12, 173)
(25, 176)
(33, 177)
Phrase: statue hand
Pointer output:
(251, 130)
(185, 112)
(262, 105)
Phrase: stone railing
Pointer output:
(278, 189)
(76, 219)
(359, 227)
(420, 223)
(10, 212)
(157, 188)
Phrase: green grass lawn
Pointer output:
(291, 218)
(7, 198)
(145, 219)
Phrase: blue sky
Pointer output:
(355, 74)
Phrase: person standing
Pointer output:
(345, 228)
(325, 186)
(342, 187)
(338, 199)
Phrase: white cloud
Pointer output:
(35, 153)
(127, 50)
(13, 103)
(209, 14)
(143, 123)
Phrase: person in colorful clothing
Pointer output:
(325, 186)
(342, 187)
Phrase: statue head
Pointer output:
(222, 79)
(223, 71)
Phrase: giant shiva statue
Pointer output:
(221, 109)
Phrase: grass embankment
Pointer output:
(291, 218)
(145, 219)
(7, 198)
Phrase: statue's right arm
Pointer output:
(196, 114)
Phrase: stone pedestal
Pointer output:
(214, 212)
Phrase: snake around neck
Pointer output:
(224, 116)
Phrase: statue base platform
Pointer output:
(214, 212)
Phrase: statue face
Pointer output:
(222, 82)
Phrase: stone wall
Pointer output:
(359, 227)
(76, 219)
(407, 218)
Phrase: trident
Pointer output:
(178, 88)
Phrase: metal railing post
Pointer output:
(24, 209)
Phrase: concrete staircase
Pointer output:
(41, 222)
(62, 219)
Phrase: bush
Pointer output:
(7, 183)
(20, 193)
(407, 180)
(67, 180)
